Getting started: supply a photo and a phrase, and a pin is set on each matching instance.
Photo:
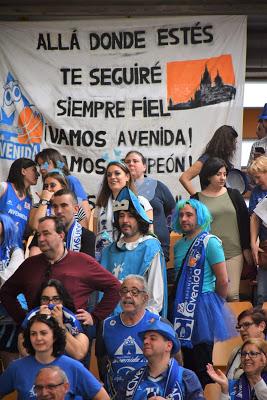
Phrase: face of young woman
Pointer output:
(52, 184)
(45, 166)
(50, 296)
(135, 165)
(116, 178)
(218, 180)
(41, 336)
(30, 175)
(252, 359)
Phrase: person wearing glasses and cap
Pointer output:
(118, 345)
(163, 377)
(136, 251)
(251, 323)
(51, 383)
(252, 383)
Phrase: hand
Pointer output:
(84, 316)
(45, 195)
(45, 310)
(57, 313)
(255, 249)
(218, 377)
(247, 254)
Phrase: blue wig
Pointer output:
(9, 239)
(204, 218)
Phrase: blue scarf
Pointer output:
(69, 319)
(240, 389)
(74, 237)
(174, 384)
(188, 290)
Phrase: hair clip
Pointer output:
(60, 164)
(117, 157)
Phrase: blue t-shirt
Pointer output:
(256, 196)
(214, 255)
(17, 209)
(21, 373)
(76, 186)
(124, 346)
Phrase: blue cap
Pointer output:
(263, 113)
(165, 329)
(127, 199)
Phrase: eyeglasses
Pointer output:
(134, 292)
(51, 185)
(250, 354)
(53, 299)
(51, 387)
(245, 325)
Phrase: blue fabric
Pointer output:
(76, 186)
(188, 290)
(171, 384)
(17, 209)
(124, 349)
(74, 237)
(240, 388)
(21, 373)
(123, 262)
(256, 196)
(214, 320)
(69, 319)
(214, 255)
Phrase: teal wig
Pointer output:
(204, 218)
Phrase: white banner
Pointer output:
(96, 89)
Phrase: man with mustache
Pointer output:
(118, 345)
(137, 251)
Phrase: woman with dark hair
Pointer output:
(252, 383)
(117, 176)
(45, 341)
(53, 181)
(51, 160)
(222, 145)
(251, 324)
(230, 220)
(15, 196)
(156, 193)
(53, 299)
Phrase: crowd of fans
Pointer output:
(154, 338)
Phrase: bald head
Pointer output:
(51, 383)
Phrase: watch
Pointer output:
(44, 202)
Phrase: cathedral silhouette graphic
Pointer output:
(209, 92)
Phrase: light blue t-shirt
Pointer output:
(214, 255)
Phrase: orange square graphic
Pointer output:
(185, 78)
